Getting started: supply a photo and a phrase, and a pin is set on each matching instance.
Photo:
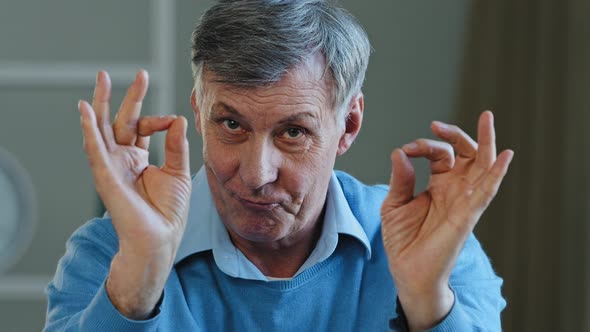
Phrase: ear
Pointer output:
(196, 112)
(353, 121)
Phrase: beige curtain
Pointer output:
(529, 62)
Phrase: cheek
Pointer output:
(306, 172)
(222, 160)
(321, 156)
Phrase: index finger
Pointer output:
(463, 145)
(440, 154)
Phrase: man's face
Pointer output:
(269, 153)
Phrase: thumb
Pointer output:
(403, 178)
(177, 152)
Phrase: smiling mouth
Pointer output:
(260, 206)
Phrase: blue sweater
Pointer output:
(346, 292)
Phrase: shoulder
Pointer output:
(364, 201)
(357, 190)
(89, 251)
(99, 232)
(361, 198)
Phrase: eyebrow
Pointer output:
(298, 116)
(220, 106)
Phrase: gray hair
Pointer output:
(254, 43)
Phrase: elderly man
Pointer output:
(266, 236)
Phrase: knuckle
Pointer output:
(88, 145)
(86, 123)
(449, 162)
(454, 129)
(430, 150)
(481, 168)
(104, 128)
(486, 195)
(117, 126)
(447, 147)
(421, 142)
(132, 123)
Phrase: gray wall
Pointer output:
(411, 81)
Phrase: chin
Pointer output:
(256, 228)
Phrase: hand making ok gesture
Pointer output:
(148, 204)
(423, 234)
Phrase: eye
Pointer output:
(293, 133)
(232, 125)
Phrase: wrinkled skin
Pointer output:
(269, 153)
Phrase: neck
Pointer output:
(282, 258)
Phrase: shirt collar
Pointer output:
(205, 231)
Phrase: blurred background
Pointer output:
(528, 61)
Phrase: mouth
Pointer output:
(257, 205)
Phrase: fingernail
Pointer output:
(141, 73)
(441, 126)
(80, 110)
(511, 154)
(410, 147)
(168, 116)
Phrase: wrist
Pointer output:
(425, 309)
(135, 285)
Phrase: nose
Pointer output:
(259, 164)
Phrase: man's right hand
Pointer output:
(148, 205)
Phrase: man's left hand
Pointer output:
(423, 234)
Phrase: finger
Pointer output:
(403, 179)
(143, 142)
(486, 152)
(440, 154)
(148, 125)
(93, 144)
(100, 105)
(487, 188)
(486, 137)
(177, 152)
(463, 145)
(125, 126)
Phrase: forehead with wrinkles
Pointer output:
(308, 85)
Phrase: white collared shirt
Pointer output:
(205, 231)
